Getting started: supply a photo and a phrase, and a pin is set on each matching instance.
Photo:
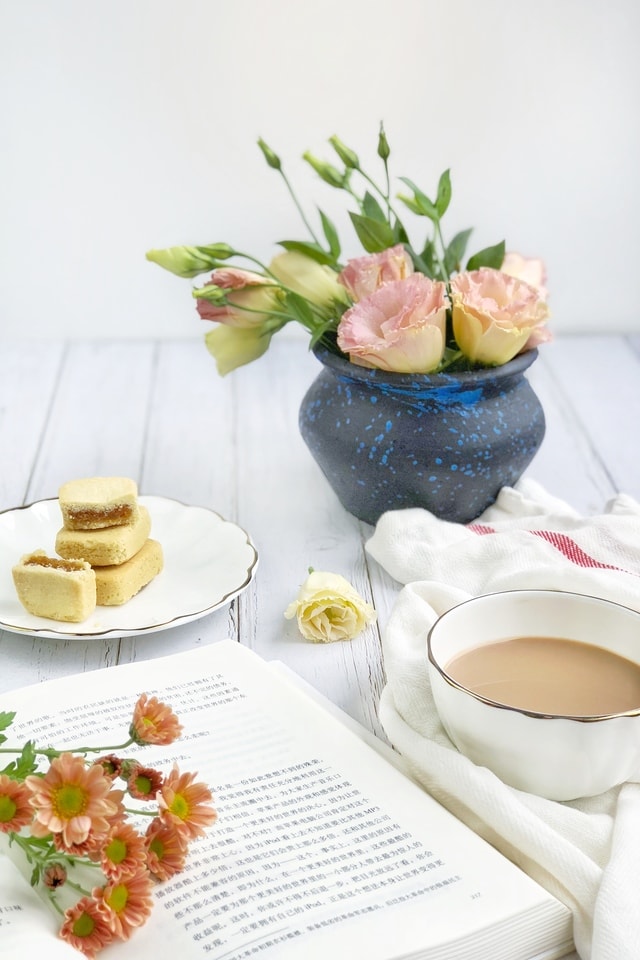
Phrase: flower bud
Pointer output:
(314, 281)
(190, 261)
(272, 158)
(210, 292)
(326, 171)
(384, 150)
(348, 157)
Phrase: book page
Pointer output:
(322, 847)
(26, 927)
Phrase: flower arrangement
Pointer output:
(71, 825)
(399, 307)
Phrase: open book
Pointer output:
(323, 848)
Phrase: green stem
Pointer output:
(142, 813)
(439, 258)
(299, 207)
(51, 753)
(54, 903)
(452, 359)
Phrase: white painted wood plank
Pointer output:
(189, 455)
(297, 522)
(96, 425)
(29, 374)
(567, 464)
(601, 380)
(98, 418)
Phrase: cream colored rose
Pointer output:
(495, 316)
(530, 269)
(314, 281)
(328, 608)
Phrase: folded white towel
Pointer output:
(587, 852)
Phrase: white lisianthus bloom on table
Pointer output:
(328, 608)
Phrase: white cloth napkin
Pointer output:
(586, 852)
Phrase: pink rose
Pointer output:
(251, 300)
(529, 269)
(495, 316)
(363, 275)
(401, 327)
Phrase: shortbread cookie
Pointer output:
(118, 583)
(98, 502)
(107, 546)
(53, 588)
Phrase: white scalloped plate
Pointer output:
(208, 561)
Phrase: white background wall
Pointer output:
(131, 124)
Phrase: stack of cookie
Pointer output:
(107, 554)
(104, 524)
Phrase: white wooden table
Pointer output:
(158, 412)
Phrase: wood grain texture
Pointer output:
(159, 412)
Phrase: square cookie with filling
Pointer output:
(109, 545)
(57, 589)
(117, 583)
(96, 502)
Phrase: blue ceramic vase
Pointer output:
(447, 442)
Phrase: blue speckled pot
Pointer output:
(446, 442)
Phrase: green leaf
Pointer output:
(428, 257)
(6, 719)
(455, 251)
(372, 209)
(489, 257)
(331, 234)
(425, 206)
(399, 233)
(298, 307)
(444, 193)
(312, 250)
(373, 236)
(411, 204)
(26, 763)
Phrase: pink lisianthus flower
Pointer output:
(251, 298)
(530, 269)
(496, 316)
(401, 327)
(363, 275)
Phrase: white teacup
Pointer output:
(560, 754)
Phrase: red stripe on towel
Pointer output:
(570, 549)
(480, 528)
(564, 544)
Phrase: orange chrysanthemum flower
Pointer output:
(154, 722)
(85, 928)
(111, 764)
(15, 809)
(185, 804)
(123, 853)
(71, 800)
(166, 849)
(144, 782)
(127, 903)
